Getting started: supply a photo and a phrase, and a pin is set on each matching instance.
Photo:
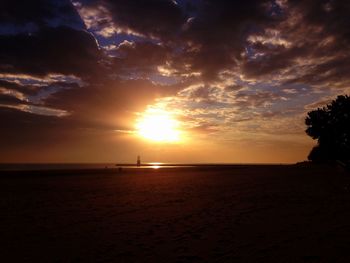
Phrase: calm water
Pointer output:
(70, 166)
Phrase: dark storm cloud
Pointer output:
(207, 36)
(51, 50)
(219, 32)
(157, 18)
(332, 15)
(311, 44)
(37, 13)
(140, 57)
(43, 49)
(200, 36)
(44, 37)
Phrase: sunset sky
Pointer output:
(171, 80)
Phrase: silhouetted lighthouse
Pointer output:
(138, 162)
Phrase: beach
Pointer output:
(243, 213)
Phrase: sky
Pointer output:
(236, 78)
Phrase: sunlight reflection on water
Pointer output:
(156, 165)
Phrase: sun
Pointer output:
(158, 126)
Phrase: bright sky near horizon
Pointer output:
(174, 81)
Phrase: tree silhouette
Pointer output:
(330, 126)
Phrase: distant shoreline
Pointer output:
(111, 166)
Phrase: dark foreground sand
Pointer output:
(232, 214)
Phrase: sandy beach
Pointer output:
(284, 213)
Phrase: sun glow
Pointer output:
(159, 126)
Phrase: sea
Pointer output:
(80, 166)
(72, 166)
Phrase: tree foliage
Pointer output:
(330, 126)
